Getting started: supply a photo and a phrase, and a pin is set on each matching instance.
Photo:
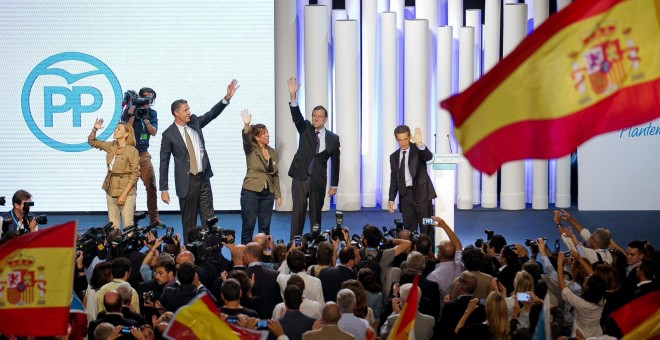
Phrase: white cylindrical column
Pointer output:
(416, 75)
(389, 100)
(370, 141)
(348, 112)
(285, 67)
(316, 65)
(491, 41)
(473, 19)
(428, 9)
(455, 20)
(444, 63)
(465, 79)
(563, 165)
(337, 14)
(541, 10)
(398, 7)
(300, 10)
(513, 173)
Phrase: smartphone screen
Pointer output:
(232, 319)
(428, 221)
(125, 330)
(296, 240)
(262, 324)
(523, 297)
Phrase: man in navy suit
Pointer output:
(408, 177)
(310, 164)
(192, 171)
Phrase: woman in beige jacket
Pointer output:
(123, 163)
(261, 185)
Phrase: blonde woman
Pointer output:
(523, 283)
(123, 164)
(497, 325)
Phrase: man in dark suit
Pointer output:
(294, 322)
(333, 277)
(454, 310)
(408, 177)
(113, 303)
(309, 166)
(192, 171)
(265, 280)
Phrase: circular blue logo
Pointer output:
(64, 105)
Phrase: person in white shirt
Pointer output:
(308, 307)
(295, 260)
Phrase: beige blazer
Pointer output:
(257, 174)
(328, 332)
(126, 169)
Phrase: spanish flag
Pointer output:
(200, 319)
(36, 282)
(640, 318)
(405, 322)
(591, 68)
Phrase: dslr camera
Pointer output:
(132, 99)
(479, 243)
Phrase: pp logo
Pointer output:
(64, 94)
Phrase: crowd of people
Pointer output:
(343, 288)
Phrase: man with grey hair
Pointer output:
(349, 322)
(423, 323)
(103, 330)
(328, 330)
(430, 304)
(124, 289)
(597, 243)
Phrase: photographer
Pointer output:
(371, 237)
(19, 218)
(144, 121)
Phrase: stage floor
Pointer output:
(516, 226)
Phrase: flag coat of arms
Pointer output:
(591, 68)
(36, 282)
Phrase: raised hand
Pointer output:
(231, 89)
(99, 123)
(417, 137)
(247, 118)
(293, 85)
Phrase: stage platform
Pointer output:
(516, 226)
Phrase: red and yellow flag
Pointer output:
(591, 68)
(36, 282)
(405, 322)
(200, 319)
(640, 318)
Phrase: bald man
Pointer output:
(112, 302)
(450, 264)
(328, 330)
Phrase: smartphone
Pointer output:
(28, 204)
(296, 241)
(523, 297)
(429, 221)
(262, 324)
(232, 319)
(125, 330)
(567, 254)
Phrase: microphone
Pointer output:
(449, 142)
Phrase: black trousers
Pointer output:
(301, 191)
(198, 200)
(255, 206)
(413, 213)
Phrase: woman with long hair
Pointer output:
(361, 309)
(373, 290)
(496, 326)
(101, 275)
(261, 185)
(123, 164)
(523, 283)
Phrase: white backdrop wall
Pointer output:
(189, 50)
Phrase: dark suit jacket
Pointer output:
(173, 144)
(128, 314)
(331, 280)
(175, 297)
(430, 301)
(295, 324)
(451, 315)
(423, 189)
(265, 285)
(306, 151)
(113, 319)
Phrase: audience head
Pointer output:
(594, 289)
(296, 280)
(237, 254)
(416, 261)
(243, 279)
(331, 314)
(126, 291)
(278, 253)
(424, 245)
(600, 239)
(262, 240)
(293, 297)
(405, 234)
(324, 253)
(186, 273)
(371, 236)
(509, 257)
(121, 268)
(103, 331)
(495, 245)
(367, 277)
(635, 252)
(148, 332)
(405, 290)
(467, 283)
(497, 316)
(253, 252)
(185, 257)
(164, 269)
(112, 301)
(609, 275)
(230, 290)
(296, 261)
(346, 300)
(523, 282)
(647, 269)
(446, 251)
(532, 267)
(361, 308)
(346, 255)
(101, 275)
(472, 258)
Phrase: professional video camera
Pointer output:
(479, 243)
(92, 243)
(131, 98)
(205, 244)
(133, 237)
(312, 239)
